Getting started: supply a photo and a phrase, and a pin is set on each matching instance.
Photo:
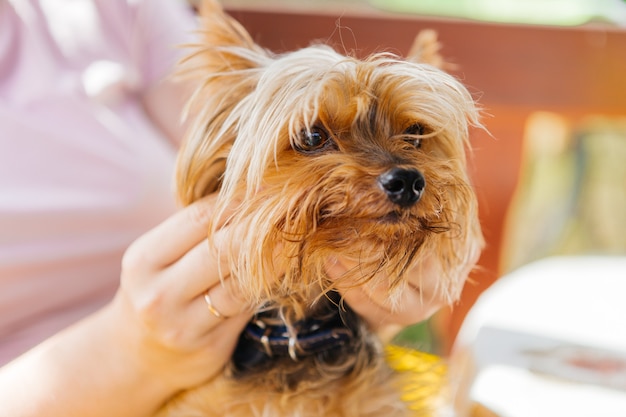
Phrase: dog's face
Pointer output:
(318, 155)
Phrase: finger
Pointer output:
(223, 304)
(379, 305)
(222, 339)
(206, 265)
(376, 307)
(169, 241)
(186, 325)
(374, 314)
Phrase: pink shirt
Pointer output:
(83, 170)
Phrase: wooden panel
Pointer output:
(521, 65)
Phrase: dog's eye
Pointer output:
(313, 140)
(415, 129)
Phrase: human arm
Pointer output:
(155, 338)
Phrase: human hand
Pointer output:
(161, 310)
(417, 301)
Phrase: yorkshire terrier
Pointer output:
(318, 156)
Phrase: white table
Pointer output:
(547, 340)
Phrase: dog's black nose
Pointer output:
(404, 187)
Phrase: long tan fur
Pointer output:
(250, 114)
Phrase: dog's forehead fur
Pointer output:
(387, 93)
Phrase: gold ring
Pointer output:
(211, 308)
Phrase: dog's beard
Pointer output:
(298, 220)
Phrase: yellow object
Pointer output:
(423, 379)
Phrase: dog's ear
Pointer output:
(220, 31)
(224, 65)
(426, 49)
(224, 46)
